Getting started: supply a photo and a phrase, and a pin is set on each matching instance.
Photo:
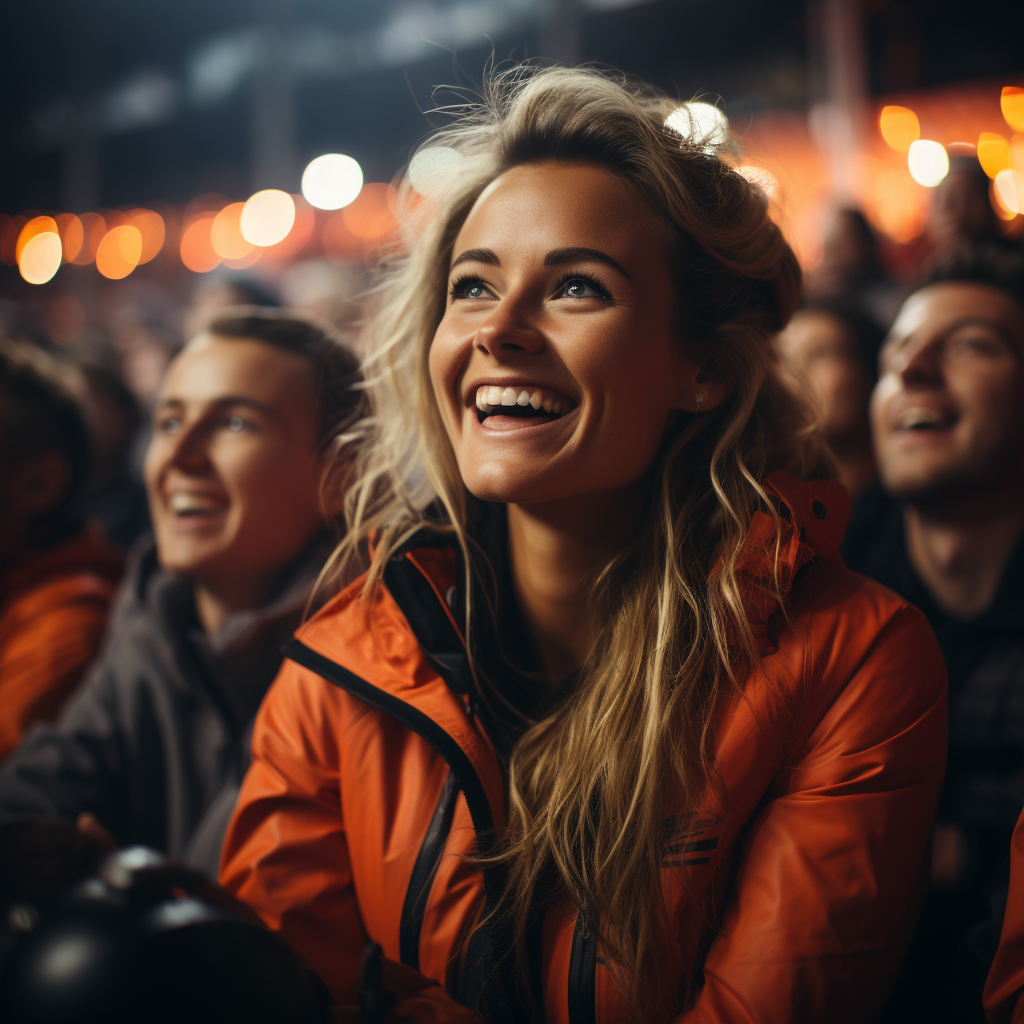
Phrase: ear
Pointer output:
(41, 481)
(701, 389)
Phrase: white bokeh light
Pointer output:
(927, 162)
(700, 123)
(267, 217)
(331, 181)
(428, 168)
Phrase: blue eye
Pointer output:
(236, 423)
(469, 288)
(581, 286)
(171, 425)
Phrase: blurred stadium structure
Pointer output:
(133, 134)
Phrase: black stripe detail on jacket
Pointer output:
(496, 1008)
(423, 873)
(583, 974)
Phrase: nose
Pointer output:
(919, 363)
(188, 452)
(507, 330)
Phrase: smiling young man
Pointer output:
(945, 531)
(156, 742)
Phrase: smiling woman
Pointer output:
(606, 731)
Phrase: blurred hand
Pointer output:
(40, 856)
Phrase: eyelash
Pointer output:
(573, 275)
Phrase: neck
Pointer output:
(959, 547)
(218, 600)
(554, 549)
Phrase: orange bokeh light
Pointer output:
(40, 256)
(118, 254)
(226, 234)
(151, 227)
(197, 252)
(340, 245)
(1012, 104)
(94, 228)
(370, 216)
(36, 226)
(993, 153)
(72, 234)
(899, 127)
(298, 237)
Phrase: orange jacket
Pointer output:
(1004, 989)
(791, 895)
(53, 612)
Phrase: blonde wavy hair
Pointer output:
(591, 784)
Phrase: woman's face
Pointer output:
(557, 366)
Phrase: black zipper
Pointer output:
(447, 747)
(415, 904)
(583, 974)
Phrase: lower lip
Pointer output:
(506, 425)
(929, 435)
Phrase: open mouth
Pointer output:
(920, 420)
(540, 405)
(186, 505)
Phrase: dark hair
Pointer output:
(42, 409)
(340, 399)
(997, 262)
(867, 335)
(254, 292)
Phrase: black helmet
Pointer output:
(144, 943)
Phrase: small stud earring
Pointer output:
(700, 399)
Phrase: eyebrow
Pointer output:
(224, 402)
(967, 321)
(555, 258)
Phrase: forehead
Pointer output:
(211, 368)
(941, 305)
(537, 207)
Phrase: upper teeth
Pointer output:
(181, 501)
(919, 417)
(489, 397)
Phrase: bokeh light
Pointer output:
(371, 216)
(928, 162)
(226, 233)
(152, 229)
(33, 227)
(197, 252)
(429, 167)
(1012, 104)
(899, 127)
(94, 227)
(119, 252)
(72, 234)
(40, 256)
(331, 181)
(993, 152)
(298, 237)
(267, 217)
(1009, 187)
(700, 123)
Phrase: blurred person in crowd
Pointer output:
(851, 269)
(604, 733)
(944, 528)
(57, 577)
(115, 496)
(830, 350)
(962, 214)
(222, 290)
(243, 466)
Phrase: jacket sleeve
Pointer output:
(1004, 990)
(75, 765)
(831, 874)
(285, 853)
(45, 657)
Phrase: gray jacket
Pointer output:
(156, 740)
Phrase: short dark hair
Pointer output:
(867, 335)
(341, 401)
(997, 262)
(42, 407)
